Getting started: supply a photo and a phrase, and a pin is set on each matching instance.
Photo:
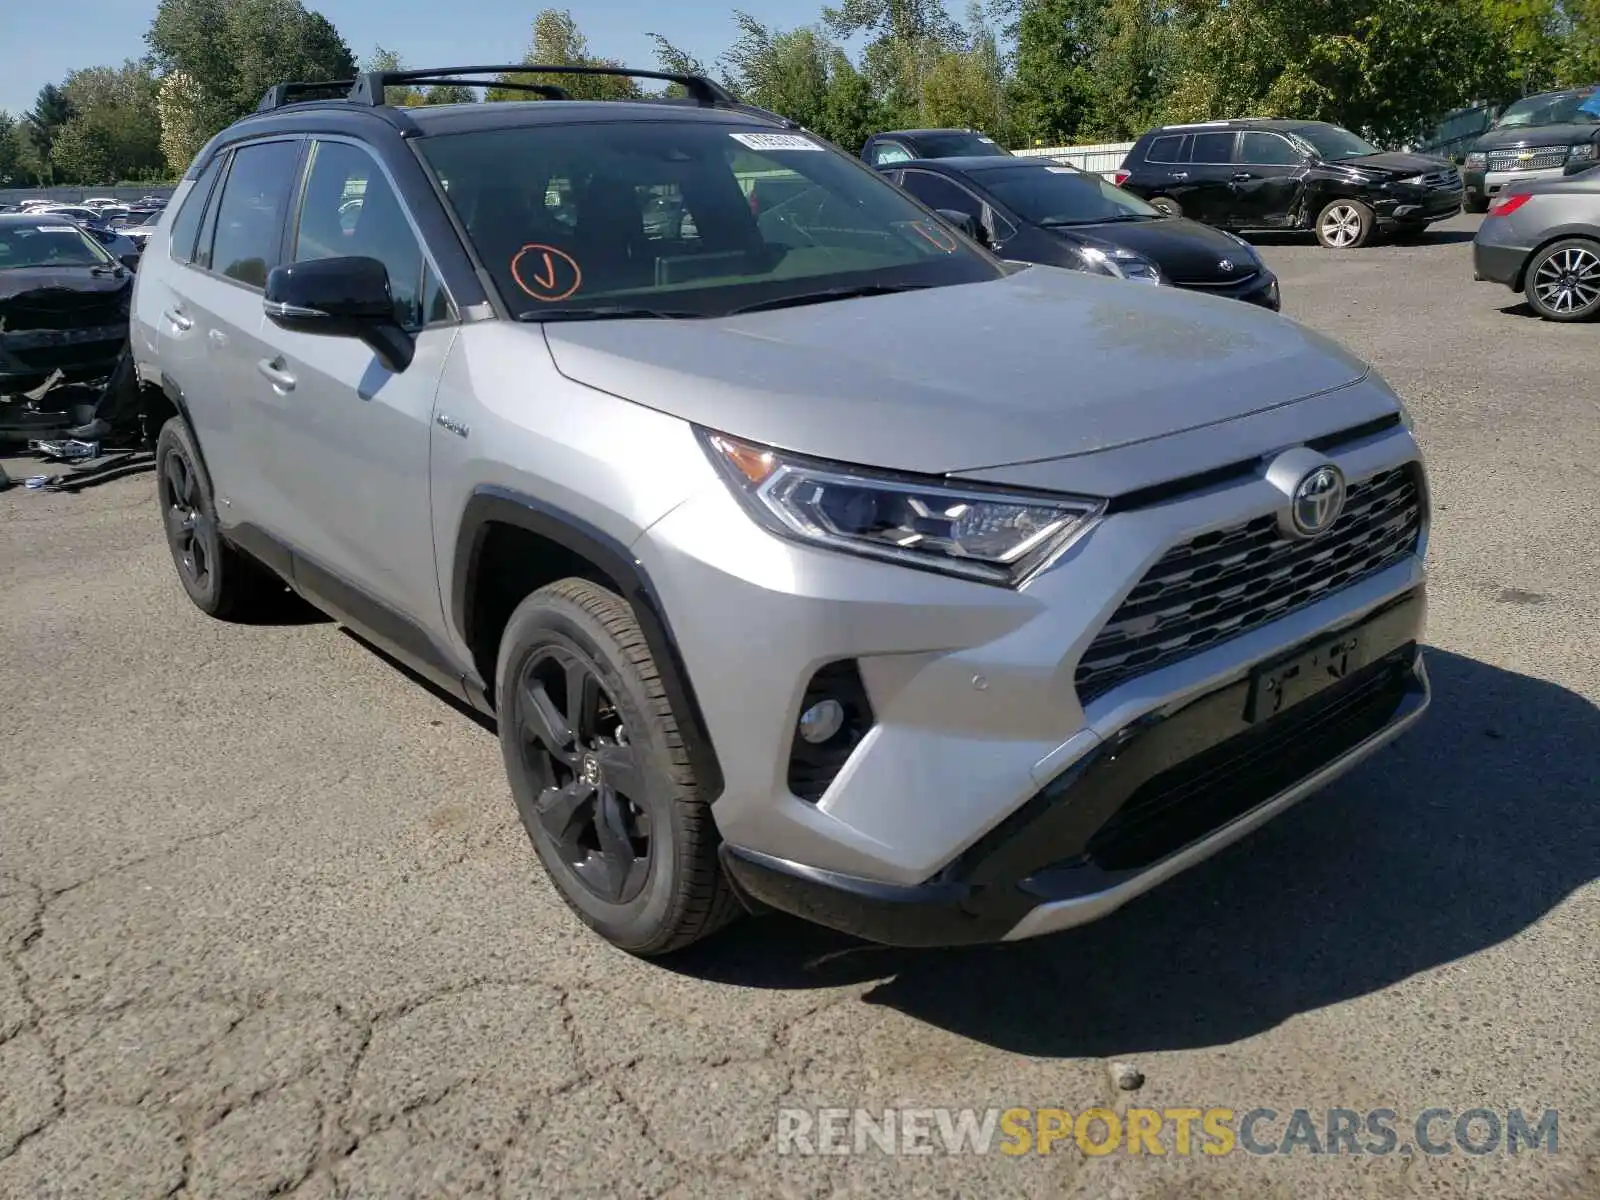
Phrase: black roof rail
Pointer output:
(280, 94)
(369, 88)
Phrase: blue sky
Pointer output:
(40, 40)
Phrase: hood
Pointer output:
(1041, 364)
(1536, 135)
(1185, 250)
(63, 297)
(1395, 162)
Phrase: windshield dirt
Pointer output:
(48, 244)
(686, 218)
(1063, 196)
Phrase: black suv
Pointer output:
(1539, 137)
(1260, 174)
(901, 145)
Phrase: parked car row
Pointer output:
(1536, 173)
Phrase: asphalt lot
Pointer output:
(270, 926)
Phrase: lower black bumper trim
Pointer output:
(1159, 790)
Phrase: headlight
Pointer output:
(1124, 264)
(1415, 180)
(988, 535)
(1477, 158)
(1581, 153)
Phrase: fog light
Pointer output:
(821, 721)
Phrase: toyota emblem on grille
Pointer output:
(1225, 264)
(1317, 501)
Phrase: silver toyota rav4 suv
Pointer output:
(808, 556)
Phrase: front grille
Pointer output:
(1231, 281)
(1224, 583)
(1446, 181)
(1200, 795)
(1533, 158)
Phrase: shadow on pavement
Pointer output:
(1432, 237)
(1457, 837)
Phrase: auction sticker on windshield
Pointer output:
(774, 141)
(58, 229)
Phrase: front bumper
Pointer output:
(1163, 797)
(77, 353)
(1261, 288)
(1483, 185)
(1418, 206)
(973, 691)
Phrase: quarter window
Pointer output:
(1267, 149)
(186, 225)
(889, 152)
(1212, 148)
(350, 208)
(249, 223)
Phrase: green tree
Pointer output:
(183, 128)
(11, 170)
(1054, 83)
(558, 42)
(449, 93)
(967, 88)
(115, 132)
(232, 51)
(50, 113)
(785, 71)
(906, 40)
(850, 112)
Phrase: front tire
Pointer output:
(1563, 280)
(1475, 204)
(1344, 225)
(600, 775)
(221, 581)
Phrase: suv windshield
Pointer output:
(1333, 143)
(1568, 108)
(1063, 196)
(685, 218)
(958, 144)
(48, 244)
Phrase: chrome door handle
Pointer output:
(1242, 176)
(1180, 175)
(272, 369)
(178, 319)
(218, 338)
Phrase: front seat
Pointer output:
(609, 241)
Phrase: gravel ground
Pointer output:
(270, 927)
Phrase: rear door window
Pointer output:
(250, 214)
(938, 192)
(1212, 148)
(1267, 149)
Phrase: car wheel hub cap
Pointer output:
(1568, 280)
(1341, 226)
(591, 807)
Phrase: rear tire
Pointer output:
(1167, 205)
(222, 582)
(1344, 225)
(1476, 206)
(600, 774)
(1563, 280)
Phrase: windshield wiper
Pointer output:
(603, 312)
(826, 294)
(1060, 223)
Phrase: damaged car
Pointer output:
(63, 303)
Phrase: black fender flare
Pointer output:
(490, 505)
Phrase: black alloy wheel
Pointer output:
(190, 531)
(592, 805)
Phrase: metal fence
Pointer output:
(77, 195)
(1104, 157)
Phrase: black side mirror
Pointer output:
(340, 297)
(131, 261)
(967, 223)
